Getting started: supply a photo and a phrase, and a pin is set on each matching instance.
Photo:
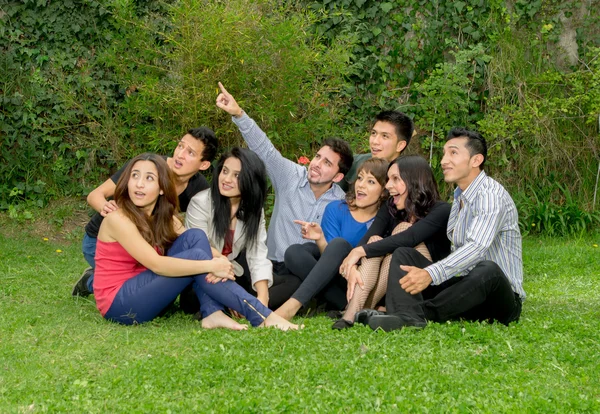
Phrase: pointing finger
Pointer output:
(223, 90)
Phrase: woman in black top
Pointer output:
(413, 217)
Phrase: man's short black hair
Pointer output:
(342, 148)
(403, 124)
(209, 139)
(475, 142)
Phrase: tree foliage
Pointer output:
(85, 84)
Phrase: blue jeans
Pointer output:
(88, 246)
(144, 296)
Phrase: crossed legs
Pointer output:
(374, 274)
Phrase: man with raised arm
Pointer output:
(194, 153)
(482, 278)
(300, 194)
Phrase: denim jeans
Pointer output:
(88, 247)
(145, 295)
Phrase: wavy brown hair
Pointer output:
(157, 229)
(378, 167)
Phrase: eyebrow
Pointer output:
(328, 160)
(232, 170)
(188, 146)
(139, 172)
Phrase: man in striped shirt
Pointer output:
(300, 193)
(481, 280)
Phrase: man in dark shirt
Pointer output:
(390, 135)
(194, 153)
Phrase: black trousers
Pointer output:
(319, 272)
(483, 294)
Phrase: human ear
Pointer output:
(338, 177)
(204, 165)
(400, 146)
(476, 160)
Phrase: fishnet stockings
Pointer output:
(374, 273)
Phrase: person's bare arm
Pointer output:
(117, 227)
(98, 198)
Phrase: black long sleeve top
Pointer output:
(431, 230)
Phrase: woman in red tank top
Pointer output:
(145, 258)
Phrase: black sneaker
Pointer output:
(364, 315)
(80, 288)
(335, 314)
(342, 324)
(396, 321)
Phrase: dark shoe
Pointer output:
(342, 324)
(81, 287)
(335, 314)
(394, 322)
(364, 315)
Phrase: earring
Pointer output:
(160, 193)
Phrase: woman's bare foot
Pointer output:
(220, 320)
(278, 322)
(289, 309)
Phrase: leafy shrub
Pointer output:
(542, 212)
(259, 50)
(50, 88)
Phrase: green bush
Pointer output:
(53, 94)
(262, 53)
(542, 212)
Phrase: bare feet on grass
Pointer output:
(220, 320)
(274, 320)
(289, 309)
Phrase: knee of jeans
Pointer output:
(488, 267)
(196, 236)
(340, 245)
(401, 253)
(197, 254)
(291, 253)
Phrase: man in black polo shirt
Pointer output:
(194, 153)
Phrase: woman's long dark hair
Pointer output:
(421, 187)
(252, 183)
(157, 229)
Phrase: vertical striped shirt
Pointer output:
(483, 225)
(294, 199)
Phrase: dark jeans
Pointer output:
(483, 294)
(145, 295)
(319, 272)
(284, 284)
(88, 247)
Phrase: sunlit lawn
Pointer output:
(58, 354)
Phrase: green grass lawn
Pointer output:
(58, 354)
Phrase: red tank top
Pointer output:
(114, 266)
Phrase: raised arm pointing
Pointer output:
(226, 102)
